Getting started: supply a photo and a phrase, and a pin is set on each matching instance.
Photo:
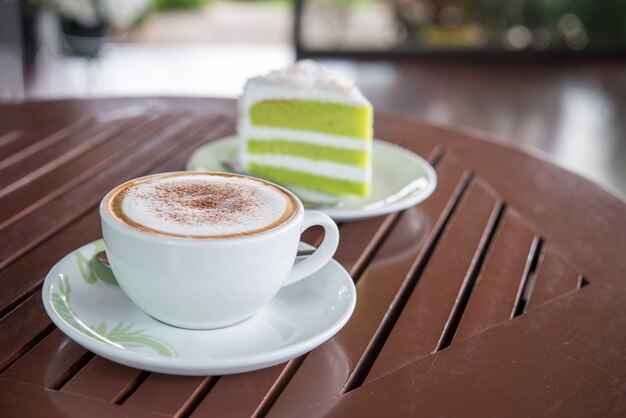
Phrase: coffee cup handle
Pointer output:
(323, 253)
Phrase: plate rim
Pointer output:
(346, 215)
(187, 366)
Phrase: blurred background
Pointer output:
(546, 74)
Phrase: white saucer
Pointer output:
(401, 179)
(90, 308)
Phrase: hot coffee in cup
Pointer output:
(206, 250)
(201, 206)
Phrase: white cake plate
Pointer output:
(401, 179)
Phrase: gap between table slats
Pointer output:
(325, 371)
(423, 319)
(528, 277)
(554, 277)
(358, 376)
(494, 295)
(467, 285)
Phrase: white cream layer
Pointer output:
(304, 165)
(305, 137)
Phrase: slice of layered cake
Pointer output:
(307, 127)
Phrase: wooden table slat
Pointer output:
(15, 173)
(492, 300)
(32, 140)
(24, 234)
(101, 379)
(360, 241)
(421, 324)
(50, 362)
(326, 370)
(412, 139)
(240, 395)
(180, 391)
(60, 175)
(20, 328)
(24, 277)
(7, 138)
(24, 400)
(17, 140)
(554, 277)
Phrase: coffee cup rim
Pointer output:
(115, 223)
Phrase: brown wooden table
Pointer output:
(503, 294)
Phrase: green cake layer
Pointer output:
(310, 181)
(359, 158)
(305, 115)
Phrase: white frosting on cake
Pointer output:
(304, 80)
(203, 205)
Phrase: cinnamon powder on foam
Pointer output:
(203, 204)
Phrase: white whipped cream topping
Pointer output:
(303, 80)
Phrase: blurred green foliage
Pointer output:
(515, 24)
(179, 4)
(603, 19)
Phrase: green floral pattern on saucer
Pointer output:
(100, 317)
(123, 335)
(92, 270)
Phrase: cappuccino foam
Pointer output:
(201, 205)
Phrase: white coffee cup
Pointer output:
(200, 283)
